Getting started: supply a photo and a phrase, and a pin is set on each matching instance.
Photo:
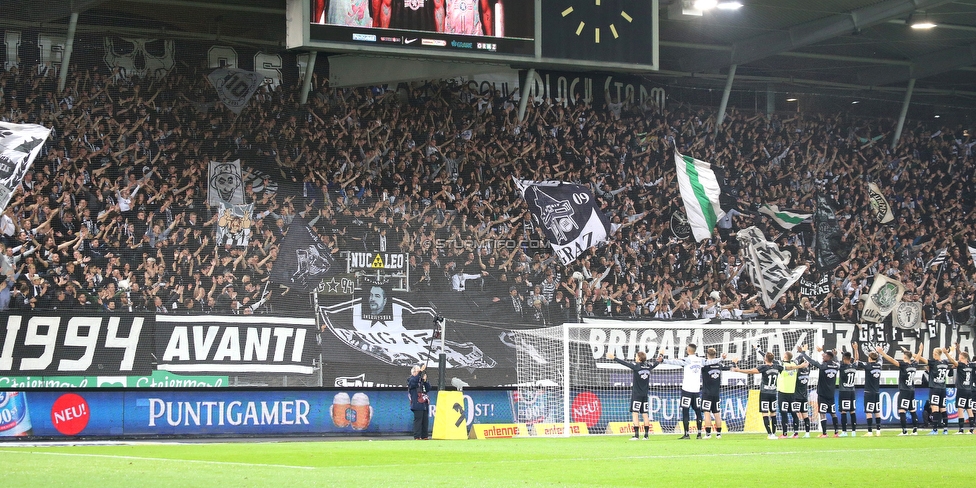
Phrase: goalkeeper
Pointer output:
(638, 395)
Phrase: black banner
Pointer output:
(831, 250)
(303, 261)
(76, 344)
(235, 344)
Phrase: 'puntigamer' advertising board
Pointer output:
(115, 413)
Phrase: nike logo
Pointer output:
(409, 41)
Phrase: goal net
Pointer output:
(564, 378)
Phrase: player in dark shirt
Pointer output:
(711, 389)
(872, 388)
(906, 387)
(847, 392)
(639, 391)
(768, 388)
(801, 396)
(938, 376)
(826, 385)
(964, 389)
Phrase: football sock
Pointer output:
(823, 425)
(806, 424)
(637, 429)
(843, 420)
(904, 421)
(945, 419)
(870, 425)
(766, 424)
(796, 422)
(853, 422)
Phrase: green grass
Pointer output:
(736, 460)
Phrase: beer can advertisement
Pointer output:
(228, 412)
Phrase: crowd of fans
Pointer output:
(114, 214)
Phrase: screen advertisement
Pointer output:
(120, 413)
(614, 34)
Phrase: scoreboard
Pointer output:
(621, 35)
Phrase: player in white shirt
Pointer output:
(691, 386)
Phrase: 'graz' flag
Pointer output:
(879, 204)
(567, 214)
(224, 183)
(766, 265)
(303, 261)
(235, 87)
(784, 218)
(829, 243)
(700, 192)
(19, 145)
(884, 296)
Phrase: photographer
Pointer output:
(417, 387)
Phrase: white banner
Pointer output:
(882, 211)
(235, 87)
(225, 184)
(19, 145)
(767, 266)
(884, 296)
(908, 315)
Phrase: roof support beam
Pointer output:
(925, 66)
(231, 7)
(765, 45)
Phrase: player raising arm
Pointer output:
(691, 382)
(826, 385)
(846, 391)
(938, 376)
(768, 388)
(872, 388)
(638, 394)
(964, 388)
(906, 387)
(711, 388)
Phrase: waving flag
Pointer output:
(19, 145)
(235, 87)
(304, 261)
(882, 211)
(783, 218)
(766, 265)
(700, 192)
(567, 214)
(884, 296)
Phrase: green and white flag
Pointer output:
(783, 218)
(700, 192)
(884, 296)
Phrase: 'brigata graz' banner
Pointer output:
(75, 344)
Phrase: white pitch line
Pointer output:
(155, 459)
(617, 458)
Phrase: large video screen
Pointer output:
(582, 34)
(442, 28)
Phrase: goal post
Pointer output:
(564, 378)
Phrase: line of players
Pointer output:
(784, 384)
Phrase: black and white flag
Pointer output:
(766, 265)
(972, 253)
(679, 225)
(567, 214)
(234, 225)
(884, 297)
(235, 87)
(938, 260)
(303, 261)
(830, 248)
(225, 184)
(879, 204)
(19, 145)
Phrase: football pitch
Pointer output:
(735, 460)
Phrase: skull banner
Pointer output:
(225, 183)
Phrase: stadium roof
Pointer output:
(847, 44)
